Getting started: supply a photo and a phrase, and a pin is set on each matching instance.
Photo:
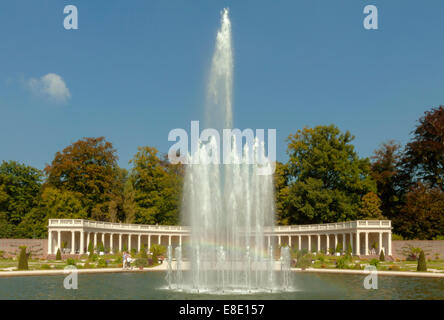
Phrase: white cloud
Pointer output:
(51, 86)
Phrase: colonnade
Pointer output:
(78, 240)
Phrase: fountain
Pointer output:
(228, 206)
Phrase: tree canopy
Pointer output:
(326, 177)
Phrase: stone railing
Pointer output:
(348, 225)
(114, 226)
(336, 226)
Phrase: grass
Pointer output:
(329, 262)
(114, 261)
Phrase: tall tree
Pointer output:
(370, 207)
(424, 155)
(158, 186)
(280, 180)
(19, 189)
(88, 167)
(422, 217)
(384, 170)
(53, 204)
(129, 203)
(327, 178)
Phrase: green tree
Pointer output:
(370, 207)
(87, 167)
(280, 180)
(157, 186)
(53, 204)
(327, 178)
(58, 254)
(384, 170)
(23, 259)
(381, 256)
(19, 190)
(156, 251)
(129, 203)
(422, 265)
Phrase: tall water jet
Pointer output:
(228, 206)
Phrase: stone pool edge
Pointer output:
(381, 273)
(4, 274)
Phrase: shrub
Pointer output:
(87, 265)
(157, 250)
(397, 237)
(70, 262)
(100, 247)
(394, 267)
(339, 247)
(374, 262)
(304, 261)
(92, 257)
(381, 256)
(58, 255)
(133, 252)
(118, 259)
(422, 265)
(331, 251)
(142, 252)
(102, 263)
(45, 267)
(140, 263)
(1, 254)
(23, 259)
(323, 266)
(341, 263)
(357, 266)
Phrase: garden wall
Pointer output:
(39, 247)
(430, 247)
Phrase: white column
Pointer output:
(336, 241)
(327, 243)
(158, 239)
(366, 244)
(299, 242)
(95, 240)
(149, 242)
(269, 241)
(73, 242)
(139, 240)
(59, 240)
(279, 240)
(111, 243)
(380, 245)
(180, 240)
(169, 240)
(289, 240)
(351, 243)
(49, 242)
(344, 242)
(103, 239)
(358, 245)
(88, 239)
(120, 242)
(309, 243)
(129, 241)
(389, 243)
(82, 242)
(319, 243)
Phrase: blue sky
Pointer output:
(137, 69)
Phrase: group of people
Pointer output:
(127, 260)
